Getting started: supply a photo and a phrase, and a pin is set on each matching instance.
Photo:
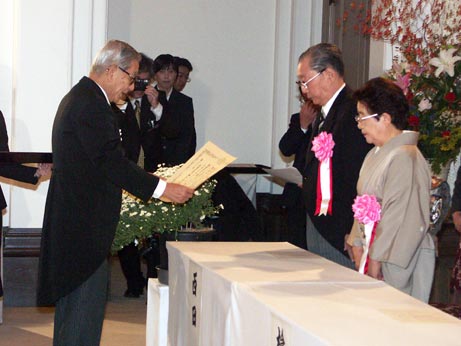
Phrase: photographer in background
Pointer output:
(140, 137)
(138, 125)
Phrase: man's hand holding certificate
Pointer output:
(209, 160)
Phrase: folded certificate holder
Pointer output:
(24, 157)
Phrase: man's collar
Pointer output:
(104, 92)
(326, 108)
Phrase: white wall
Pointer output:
(44, 45)
(231, 46)
(244, 55)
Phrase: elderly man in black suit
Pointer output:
(178, 109)
(84, 197)
(321, 78)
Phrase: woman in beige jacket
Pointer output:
(395, 172)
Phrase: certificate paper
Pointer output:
(209, 160)
(289, 174)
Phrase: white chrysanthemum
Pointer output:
(133, 213)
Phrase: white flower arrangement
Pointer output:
(139, 220)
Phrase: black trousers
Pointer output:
(79, 315)
(130, 263)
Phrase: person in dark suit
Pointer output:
(17, 172)
(184, 70)
(178, 109)
(140, 137)
(321, 78)
(137, 122)
(294, 142)
(84, 197)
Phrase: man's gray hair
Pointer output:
(114, 52)
(324, 55)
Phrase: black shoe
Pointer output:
(131, 294)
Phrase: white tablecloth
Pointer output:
(253, 293)
(157, 313)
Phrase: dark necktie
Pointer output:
(318, 124)
(137, 113)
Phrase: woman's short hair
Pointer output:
(114, 52)
(380, 95)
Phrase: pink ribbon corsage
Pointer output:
(322, 146)
(367, 211)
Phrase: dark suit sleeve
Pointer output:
(100, 139)
(294, 137)
(10, 170)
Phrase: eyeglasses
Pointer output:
(305, 84)
(183, 76)
(132, 79)
(358, 118)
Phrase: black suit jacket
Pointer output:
(295, 141)
(348, 154)
(84, 196)
(9, 170)
(181, 142)
(147, 135)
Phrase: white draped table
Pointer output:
(226, 293)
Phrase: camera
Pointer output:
(140, 84)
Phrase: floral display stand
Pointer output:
(189, 234)
(426, 40)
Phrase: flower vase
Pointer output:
(188, 234)
(444, 171)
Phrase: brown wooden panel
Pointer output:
(355, 46)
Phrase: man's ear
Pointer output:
(110, 71)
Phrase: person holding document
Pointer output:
(17, 172)
(84, 197)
